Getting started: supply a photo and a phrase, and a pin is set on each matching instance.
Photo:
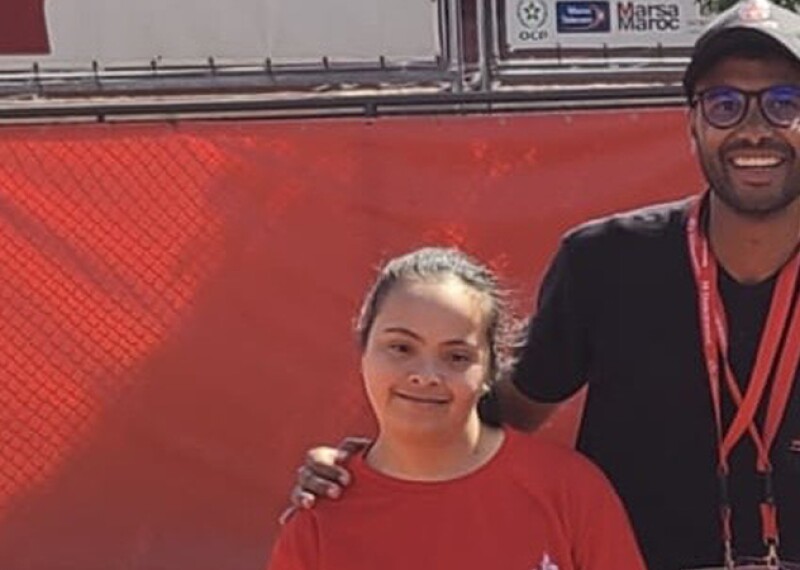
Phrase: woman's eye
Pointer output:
(399, 348)
(460, 358)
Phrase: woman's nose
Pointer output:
(425, 373)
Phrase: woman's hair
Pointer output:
(438, 263)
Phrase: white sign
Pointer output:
(548, 24)
(77, 32)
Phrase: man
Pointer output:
(684, 321)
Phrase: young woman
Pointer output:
(439, 488)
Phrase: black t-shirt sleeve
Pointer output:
(551, 364)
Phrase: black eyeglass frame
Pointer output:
(748, 95)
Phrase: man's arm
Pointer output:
(518, 410)
(552, 361)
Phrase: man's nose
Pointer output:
(755, 128)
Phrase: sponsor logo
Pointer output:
(583, 17)
(755, 11)
(640, 17)
(794, 445)
(532, 14)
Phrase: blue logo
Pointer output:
(576, 17)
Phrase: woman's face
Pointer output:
(426, 358)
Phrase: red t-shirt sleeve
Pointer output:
(297, 547)
(603, 537)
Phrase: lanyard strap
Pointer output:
(714, 332)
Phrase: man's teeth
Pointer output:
(756, 161)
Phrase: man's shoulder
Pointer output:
(649, 222)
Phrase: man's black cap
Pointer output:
(756, 22)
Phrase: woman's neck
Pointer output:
(420, 457)
(752, 249)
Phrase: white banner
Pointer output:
(548, 24)
(77, 32)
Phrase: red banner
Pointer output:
(176, 302)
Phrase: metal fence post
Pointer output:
(456, 43)
(486, 16)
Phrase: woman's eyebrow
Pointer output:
(412, 334)
(403, 331)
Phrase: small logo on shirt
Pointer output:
(794, 445)
(546, 563)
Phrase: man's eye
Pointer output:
(724, 105)
(785, 105)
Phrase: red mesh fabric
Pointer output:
(176, 302)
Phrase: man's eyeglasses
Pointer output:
(725, 107)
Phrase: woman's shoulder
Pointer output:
(546, 461)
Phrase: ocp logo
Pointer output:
(576, 17)
(532, 13)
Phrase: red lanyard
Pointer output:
(715, 350)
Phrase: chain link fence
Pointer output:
(102, 247)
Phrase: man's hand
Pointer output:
(322, 474)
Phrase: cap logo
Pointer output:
(755, 11)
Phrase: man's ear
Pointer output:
(691, 120)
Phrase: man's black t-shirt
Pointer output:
(618, 309)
